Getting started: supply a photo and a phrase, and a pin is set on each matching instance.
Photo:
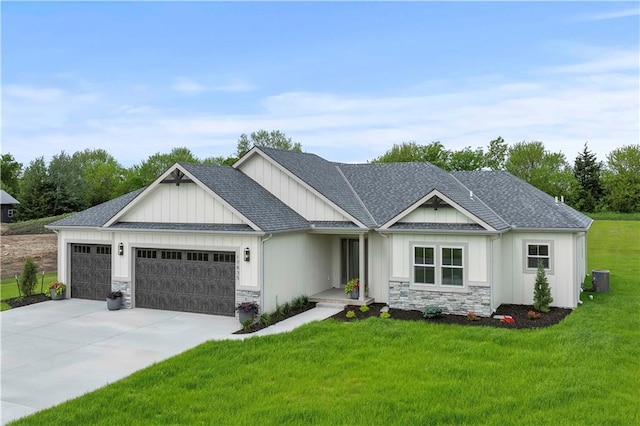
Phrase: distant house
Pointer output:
(280, 224)
(8, 206)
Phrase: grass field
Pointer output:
(9, 289)
(586, 370)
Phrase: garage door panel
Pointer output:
(90, 271)
(185, 281)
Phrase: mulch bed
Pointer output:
(16, 302)
(517, 312)
(259, 326)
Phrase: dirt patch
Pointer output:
(517, 312)
(16, 248)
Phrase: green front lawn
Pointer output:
(585, 370)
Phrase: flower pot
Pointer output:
(245, 315)
(355, 294)
(114, 304)
(55, 296)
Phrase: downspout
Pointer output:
(261, 277)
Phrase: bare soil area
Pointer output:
(16, 248)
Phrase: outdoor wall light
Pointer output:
(247, 254)
(121, 249)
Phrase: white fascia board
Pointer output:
(256, 151)
(424, 199)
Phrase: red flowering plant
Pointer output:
(533, 315)
(507, 319)
(472, 316)
(58, 288)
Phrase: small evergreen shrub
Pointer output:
(385, 315)
(29, 277)
(364, 308)
(431, 311)
(351, 314)
(541, 291)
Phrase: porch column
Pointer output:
(361, 255)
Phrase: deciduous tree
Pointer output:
(10, 171)
(621, 179)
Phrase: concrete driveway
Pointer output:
(57, 350)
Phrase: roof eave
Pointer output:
(438, 231)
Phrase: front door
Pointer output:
(350, 259)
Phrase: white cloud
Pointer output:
(564, 107)
(610, 15)
(190, 87)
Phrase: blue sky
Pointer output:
(347, 80)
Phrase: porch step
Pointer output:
(330, 305)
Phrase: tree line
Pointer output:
(73, 182)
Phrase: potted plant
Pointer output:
(114, 300)
(247, 310)
(353, 288)
(56, 290)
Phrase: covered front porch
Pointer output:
(337, 296)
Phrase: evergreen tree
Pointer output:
(541, 291)
(29, 277)
(587, 171)
(35, 193)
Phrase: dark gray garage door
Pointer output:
(190, 281)
(90, 271)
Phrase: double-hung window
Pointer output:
(438, 265)
(452, 268)
(424, 265)
(538, 253)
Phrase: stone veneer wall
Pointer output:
(125, 288)
(476, 299)
(248, 296)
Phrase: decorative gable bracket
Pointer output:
(177, 177)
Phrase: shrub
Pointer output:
(533, 315)
(265, 319)
(246, 324)
(351, 314)
(364, 308)
(431, 311)
(29, 277)
(507, 320)
(471, 316)
(297, 303)
(385, 315)
(541, 291)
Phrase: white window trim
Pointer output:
(438, 286)
(434, 264)
(525, 257)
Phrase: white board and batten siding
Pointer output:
(517, 283)
(290, 191)
(429, 215)
(186, 203)
(476, 256)
(67, 237)
(296, 264)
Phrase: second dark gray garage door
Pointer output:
(189, 281)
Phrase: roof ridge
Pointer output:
(480, 200)
(337, 166)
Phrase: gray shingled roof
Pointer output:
(323, 176)
(6, 198)
(97, 216)
(249, 198)
(522, 205)
(215, 227)
(387, 189)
